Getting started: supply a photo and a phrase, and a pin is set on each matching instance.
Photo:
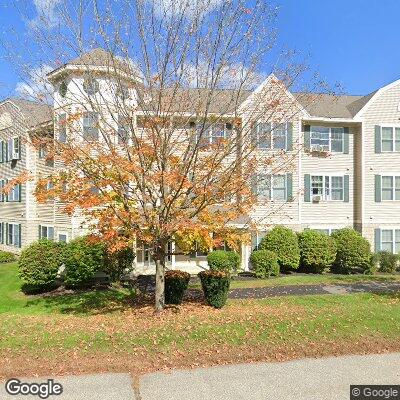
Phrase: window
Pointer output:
(13, 149)
(327, 187)
(90, 86)
(63, 237)
(13, 235)
(42, 151)
(62, 128)
(326, 231)
(390, 240)
(198, 252)
(212, 134)
(327, 139)
(15, 193)
(123, 130)
(256, 239)
(91, 126)
(390, 187)
(123, 91)
(268, 136)
(2, 194)
(46, 232)
(271, 187)
(390, 139)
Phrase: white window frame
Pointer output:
(15, 239)
(15, 193)
(16, 148)
(323, 228)
(47, 232)
(393, 242)
(393, 127)
(271, 177)
(271, 139)
(209, 135)
(256, 239)
(91, 86)
(93, 127)
(393, 188)
(329, 149)
(326, 190)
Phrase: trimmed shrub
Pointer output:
(7, 256)
(284, 243)
(317, 251)
(353, 253)
(221, 260)
(83, 258)
(388, 262)
(119, 262)
(215, 286)
(39, 264)
(264, 263)
(176, 283)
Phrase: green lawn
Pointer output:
(12, 300)
(105, 330)
(304, 279)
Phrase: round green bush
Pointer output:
(388, 262)
(176, 283)
(317, 251)
(38, 265)
(353, 252)
(119, 263)
(6, 256)
(264, 263)
(215, 286)
(221, 260)
(83, 258)
(284, 243)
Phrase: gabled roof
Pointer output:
(34, 113)
(332, 106)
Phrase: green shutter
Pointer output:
(6, 233)
(378, 139)
(307, 188)
(289, 136)
(307, 137)
(6, 149)
(377, 240)
(6, 194)
(346, 188)
(254, 129)
(378, 188)
(20, 192)
(19, 235)
(2, 233)
(289, 187)
(346, 142)
(1, 151)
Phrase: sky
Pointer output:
(354, 43)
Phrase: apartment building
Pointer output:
(344, 166)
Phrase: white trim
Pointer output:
(330, 175)
(374, 96)
(333, 119)
(394, 176)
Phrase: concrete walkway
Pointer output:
(307, 379)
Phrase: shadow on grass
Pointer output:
(87, 302)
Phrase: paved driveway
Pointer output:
(308, 379)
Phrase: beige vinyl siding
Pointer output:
(14, 212)
(330, 213)
(383, 110)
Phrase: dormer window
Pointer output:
(123, 92)
(91, 86)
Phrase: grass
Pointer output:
(99, 331)
(305, 279)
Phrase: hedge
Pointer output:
(215, 286)
(221, 260)
(317, 251)
(284, 243)
(353, 253)
(39, 265)
(176, 283)
(264, 263)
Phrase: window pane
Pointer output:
(387, 139)
(387, 235)
(264, 185)
(279, 137)
(279, 187)
(337, 139)
(320, 138)
(317, 185)
(218, 133)
(62, 238)
(397, 140)
(264, 136)
(337, 188)
(387, 188)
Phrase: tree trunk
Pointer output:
(160, 285)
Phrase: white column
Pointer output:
(173, 260)
(245, 252)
